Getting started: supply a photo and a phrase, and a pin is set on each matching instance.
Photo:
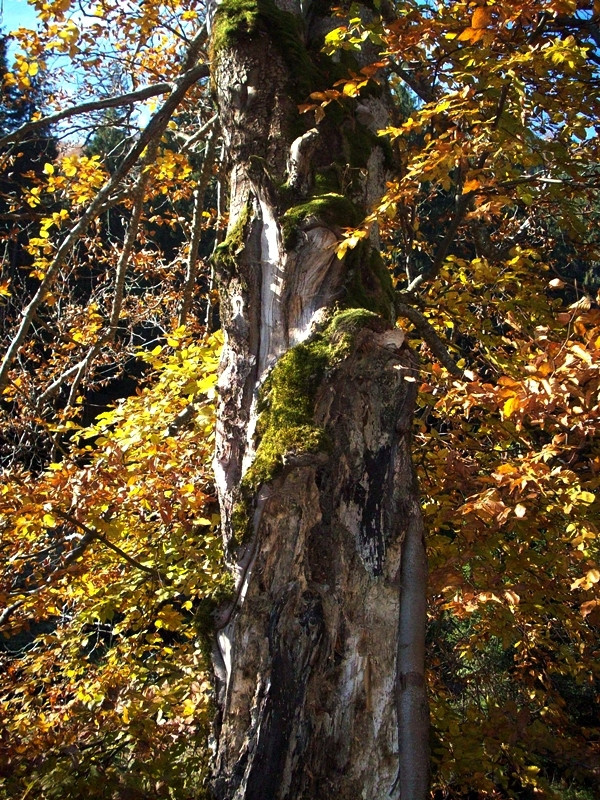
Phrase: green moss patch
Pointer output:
(286, 407)
(286, 425)
(233, 20)
(327, 181)
(236, 20)
(287, 399)
(330, 209)
(225, 254)
(350, 321)
(369, 284)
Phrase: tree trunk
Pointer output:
(320, 655)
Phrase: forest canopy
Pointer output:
(113, 228)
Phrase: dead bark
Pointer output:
(319, 657)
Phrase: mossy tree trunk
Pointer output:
(319, 659)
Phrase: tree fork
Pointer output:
(319, 659)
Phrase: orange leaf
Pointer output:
(472, 35)
(470, 185)
(482, 16)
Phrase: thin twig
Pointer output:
(152, 131)
(197, 219)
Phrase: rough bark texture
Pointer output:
(320, 656)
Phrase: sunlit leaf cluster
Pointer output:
(113, 568)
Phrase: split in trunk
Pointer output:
(320, 656)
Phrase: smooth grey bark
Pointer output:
(319, 658)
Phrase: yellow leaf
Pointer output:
(512, 597)
(442, 106)
(189, 708)
(506, 469)
(586, 497)
(510, 406)
(593, 576)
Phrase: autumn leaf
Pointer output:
(482, 17)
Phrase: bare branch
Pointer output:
(84, 108)
(56, 384)
(83, 367)
(138, 194)
(152, 131)
(211, 309)
(195, 137)
(192, 260)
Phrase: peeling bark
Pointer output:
(319, 656)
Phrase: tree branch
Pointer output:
(138, 195)
(152, 131)
(195, 137)
(75, 553)
(461, 208)
(84, 108)
(419, 87)
(94, 533)
(426, 330)
(90, 534)
(197, 219)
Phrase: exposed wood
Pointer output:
(319, 656)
